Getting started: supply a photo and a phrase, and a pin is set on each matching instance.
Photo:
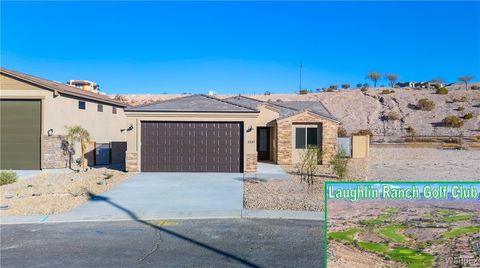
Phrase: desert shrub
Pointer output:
(345, 86)
(359, 85)
(330, 90)
(461, 109)
(364, 132)
(410, 131)
(462, 99)
(475, 87)
(341, 132)
(452, 121)
(303, 92)
(363, 89)
(425, 105)
(476, 138)
(387, 91)
(442, 91)
(307, 167)
(468, 116)
(340, 164)
(7, 177)
(393, 116)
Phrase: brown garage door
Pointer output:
(20, 123)
(192, 146)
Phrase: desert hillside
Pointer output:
(368, 110)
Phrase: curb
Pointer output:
(230, 214)
(283, 214)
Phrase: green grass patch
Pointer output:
(412, 257)
(445, 212)
(378, 220)
(392, 210)
(392, 232)
(462, 231)
(374, 247)
(455, 218)
(346, 235)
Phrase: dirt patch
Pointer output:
(423, 164)
(56, 193)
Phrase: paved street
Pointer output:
(183, 243)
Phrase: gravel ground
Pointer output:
(410, 164)
(56, 193)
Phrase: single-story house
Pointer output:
(201, 133)
(196, 133)
(33, 115)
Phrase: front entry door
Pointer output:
(263, 143)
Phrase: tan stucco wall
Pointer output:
(134, 136)
(360, 146)
(59, 111)
(63, 110)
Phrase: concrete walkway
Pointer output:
(268, 171)
(165, 195)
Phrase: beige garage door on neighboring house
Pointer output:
(20, 130)
(192, 146)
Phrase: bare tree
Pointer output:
(374, 76)
(465, 79)
(393, 78)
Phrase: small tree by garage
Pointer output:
(78, 134)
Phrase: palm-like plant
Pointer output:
(78, 134)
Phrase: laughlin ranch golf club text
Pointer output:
(365, 192)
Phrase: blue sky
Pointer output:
(238, 47)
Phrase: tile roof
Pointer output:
(194, 103)
(60, 88)
(286, 108)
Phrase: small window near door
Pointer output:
(100, 107)
(305, 137)
(300, 138)
(114, 110)
(81, 105)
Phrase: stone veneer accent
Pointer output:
(53, 155)
(285, 137)
(251, 163)
(131, 162)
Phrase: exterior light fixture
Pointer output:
(50, 132)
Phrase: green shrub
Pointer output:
(475, 87)
(452, 121)
(363, 89)
(330, 90)
(393, 116)
(341, 132)
(387, 91)
(442, 91)
(340, 164)
(303, 92)
(425, 105)
(7, 177)
(468, 116)
(364, 132)
(460, 108)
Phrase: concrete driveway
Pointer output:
(165, 195)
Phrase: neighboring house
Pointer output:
(85, 85)
(202, 133)
(405, 84)
(34, 113)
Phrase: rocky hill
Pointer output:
(370, 109)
